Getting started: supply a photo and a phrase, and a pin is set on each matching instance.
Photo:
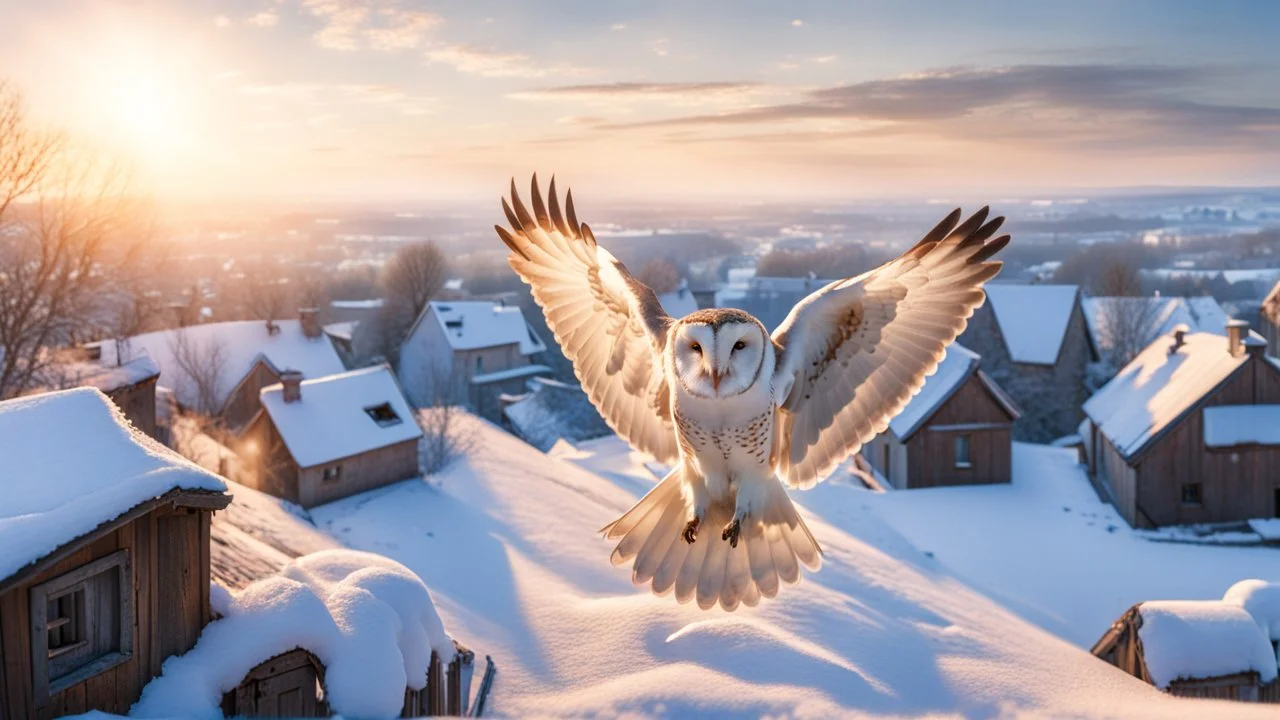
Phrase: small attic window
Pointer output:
(383, 414)
(93, 352)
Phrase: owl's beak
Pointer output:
(716, 377)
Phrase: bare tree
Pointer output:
(68, 224)
(202, 364)
(1128, 325)
(266, 294)
(660, 275)
(414, 275)
(444, 436)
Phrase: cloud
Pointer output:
(221, 21)
(355, 24)
(639, 90)
(1049, 103)
(325, 95)
(797, 22)
(265, 19)
(474, 60)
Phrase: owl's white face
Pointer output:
(719, 360)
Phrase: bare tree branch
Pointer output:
(202, 364)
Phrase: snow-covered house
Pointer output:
(679, 302)
(130, 385)
(1033, 343)
(1200, 648)
(768, 298)
(1189, 431)
(218, 368)
(469, 351)
(957, 431)
(104, 555)
(314, 441)
(1269, 320)
(552, 411)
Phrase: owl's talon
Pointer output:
(731, 532)
(690, 533)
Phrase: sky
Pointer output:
(382, 98)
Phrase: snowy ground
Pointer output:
(506, 539)
(1048, 548)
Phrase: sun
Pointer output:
(144, 104)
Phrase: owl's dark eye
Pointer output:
(696, 348)
(739, 345)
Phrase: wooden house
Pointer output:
(1199, 649)
(131, 385)
(469, 352)
(218, 369)
(551, 411)
(1189, 432)
(316, 441)
(1033, 343)
(104, 555)
(1119, 327)
(1269, 321)
(957, 431)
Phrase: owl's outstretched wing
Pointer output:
(608, 323)
(855, 352)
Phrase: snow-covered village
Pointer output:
(419, 358)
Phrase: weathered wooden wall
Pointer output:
(138, 403)
(931, 451)
(1237, 483)
(271, 469)
(169, 555)
(243, 403)
(362, 472)
(1120, 480)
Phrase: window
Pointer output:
(81, 624)
(962, 451)
(479, 363)
(887, 454)
(93, 352)
(1192, 494)
(333, 473)
(383, 414)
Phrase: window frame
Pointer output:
(78, 580)
(1199, 493)
(967, 440)
(336, 475)
(373, 410)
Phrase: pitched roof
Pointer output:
(1157, 316)
(107, 378)
(553, 410)
(243, 343)
(1157, 387)
(678, 303)
(1033, 319)
(958, 365)
(332, 421)
(473, 324)
(69, 461)
(1201, 639)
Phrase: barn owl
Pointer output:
(740, 413)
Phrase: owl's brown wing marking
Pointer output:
(855, 352)
(610, 325)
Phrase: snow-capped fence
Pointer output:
(292, 685)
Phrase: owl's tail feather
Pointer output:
(771, 548)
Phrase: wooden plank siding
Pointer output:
(138, 403)
(360, 473)
(176, 598)
(242, 403)
(1236, 483)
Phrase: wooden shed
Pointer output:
(1189, 432)
(317, 441)
(1225, 659)
(957, 431)
(115, 576)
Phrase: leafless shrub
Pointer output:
(444, 436)
(202, 364)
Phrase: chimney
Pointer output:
(292, 381)
(1179, 337)
(1237, 331)
(309, 319)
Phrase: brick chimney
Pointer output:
(292, 381)
(309, 319)
(1179, 337)
(1237, 331)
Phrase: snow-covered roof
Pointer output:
(958, 364)
(1232, 425)
(341, 330)
(333, 418)
(1033, 319)
(471, 325)
(70, 461)
(553, 410)
(107, 378)
(1157, 387)
(257, 535)
(1201, 639)
(372, 304)
(678, 303)
(370, 620)
(242, 344)
(1155, 316)
(518, 371)
(1261, 599)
